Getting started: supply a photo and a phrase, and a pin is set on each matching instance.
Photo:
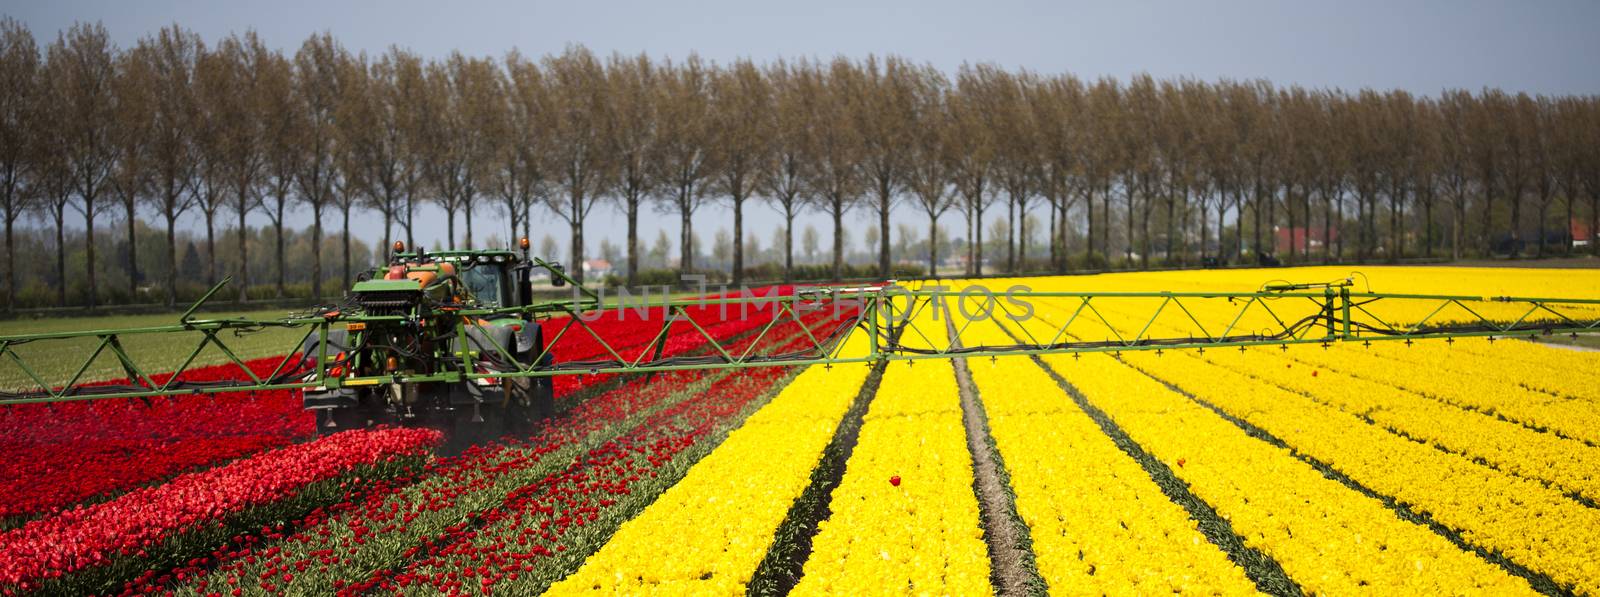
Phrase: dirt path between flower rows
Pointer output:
(1010, 559)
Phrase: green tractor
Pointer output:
(410, 323)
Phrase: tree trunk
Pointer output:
(388, 238)
(576, 222)
(1255, 235)
(1427, 215)
(933, 245)
(172, 258)
(1144, 241)
(450, 229)
(11, 261)
(838, 243)
(1088, 206)
(133, 251)
(1288, 208)
(1361, 224)
(1455, 227)
(970, 234)
(1055, 251)
(244, 256)
(316, 251)
(788, 241)
(467, 206)
(1128, 251)
(1397, 246)
(345, 233)
(884, 204)
(1172, 226)
(685, 233)
(61, 258)
(1567, 249)
(978, 260)
(411, 207)
(279, 263)
(211, 248)
(1544, 215)
(1338, 204)
(1488, 221)
(1222, 210)
(1011, 233)
(633, 239)
(88, 222)
(1516, 222)
(738, 240)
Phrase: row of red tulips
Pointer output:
(544, 531)
(61, 454)
(379, 530)
(93, 547)
(385, 530)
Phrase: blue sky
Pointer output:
(1545, 47)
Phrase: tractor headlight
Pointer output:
(499, 258)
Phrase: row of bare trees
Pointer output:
(1130, 172)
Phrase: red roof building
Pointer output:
(1302, 239)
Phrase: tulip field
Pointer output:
(1462, 467)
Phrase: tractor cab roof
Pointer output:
(465, 255)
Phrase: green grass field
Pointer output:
(56, 361)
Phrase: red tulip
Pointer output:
(895, 480)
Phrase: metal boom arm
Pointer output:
(1091, 322)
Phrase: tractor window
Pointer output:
(485, 282)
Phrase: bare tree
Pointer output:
(170, 60)
(579, 126)
(795, 89)
(1017, 168)
(81, 71)
(221, 116)
(19, 123)
(836, 177)
(929, 158)
(477, 92)
(631, 85)
(129, 182)
(887, 119)
(280, 126)
(1057, 106)
(315, 103)
(1453, 138)
(404, 120)
(741, 111)
(971, 150)
(523, 158)
(1101, 161)
(686, 159)
(351, 191)
(51, 182)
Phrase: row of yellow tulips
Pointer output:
(1328, 538)
(1099, 524)
(1569, 464)
(904, 515)
(1525, 520)
(1478, 359)
(1567, 418)
(721, 518)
